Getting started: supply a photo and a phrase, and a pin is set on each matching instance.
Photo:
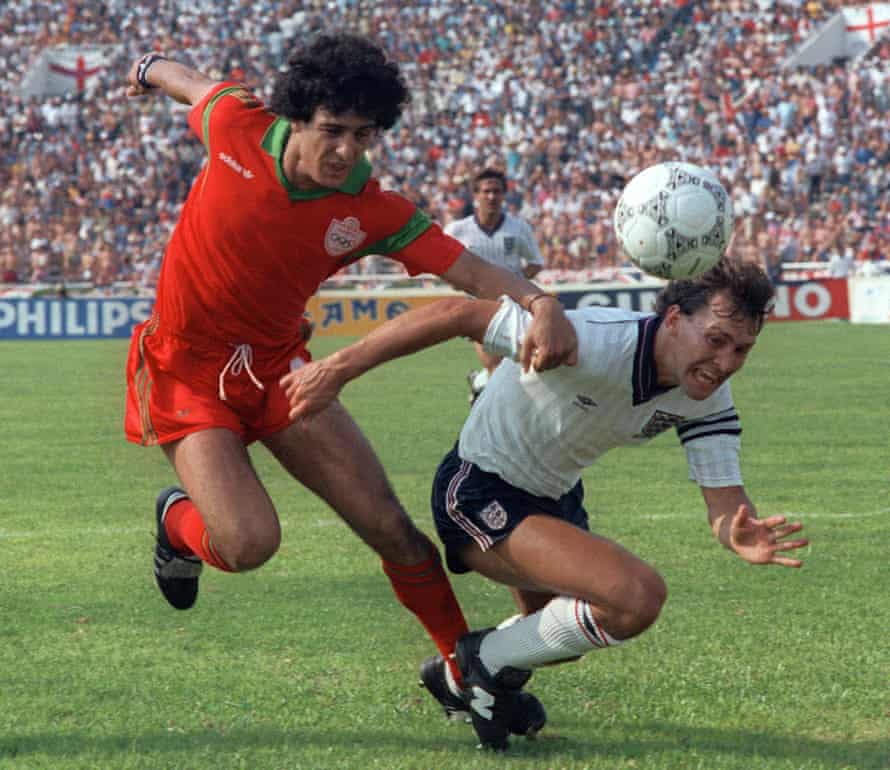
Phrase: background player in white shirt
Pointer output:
(508, 500)
(498, 237)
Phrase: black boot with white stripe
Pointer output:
(176, 575)
(492, 700)
(528, 718)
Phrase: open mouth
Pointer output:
(707, 378)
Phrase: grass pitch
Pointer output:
(310, 663)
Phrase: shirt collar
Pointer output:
(493, 230)
(645, 375)
(273, 143)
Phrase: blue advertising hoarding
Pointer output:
(82, 318)
(637, 298)
(115, 317)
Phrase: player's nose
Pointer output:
(348, 147)
(728, 362)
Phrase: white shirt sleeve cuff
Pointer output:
(506, 330)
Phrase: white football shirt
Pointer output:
(511, 244)
(539, 430)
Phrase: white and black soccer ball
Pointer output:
(674, 220)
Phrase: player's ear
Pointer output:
(671, 317)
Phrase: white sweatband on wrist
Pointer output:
(507, 330)
(144, 64)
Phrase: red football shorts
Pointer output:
(177, 386)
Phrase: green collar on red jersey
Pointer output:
(275, 139)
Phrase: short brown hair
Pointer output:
(489, 173)
(746, 283)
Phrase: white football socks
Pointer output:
(564, 629)
(480, 380)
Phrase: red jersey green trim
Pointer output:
(208, 108)
(245, 257)
(274, 142)
(413, 229)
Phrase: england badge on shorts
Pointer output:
(343, 236)
(493, 515)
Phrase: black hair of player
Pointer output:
(340, 73)
(490, 173)
(746, 284)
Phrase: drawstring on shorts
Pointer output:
(240, 361)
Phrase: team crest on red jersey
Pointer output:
(343, 236)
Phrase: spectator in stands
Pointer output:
(107, 266)
(8, 263)
(40, 262)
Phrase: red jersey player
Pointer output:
(286, 198)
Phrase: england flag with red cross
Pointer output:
(65, 69)
(865, 25)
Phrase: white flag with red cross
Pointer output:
(865, 26)
(849, 34)
(65, 69)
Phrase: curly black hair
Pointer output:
(341, 73)
(746, 284)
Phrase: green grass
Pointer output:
(310, 663)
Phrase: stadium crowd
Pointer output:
(569, 97)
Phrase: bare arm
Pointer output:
(551, 340)
(177, 81)
(415, 330)
(312, 387)
(474, 275)
(734, 522)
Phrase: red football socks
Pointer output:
(187, 534)
(425, 590)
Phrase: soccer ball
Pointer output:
(674, 220)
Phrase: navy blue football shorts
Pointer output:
(471, 505)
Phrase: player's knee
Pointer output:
(656, 596)
(251, 549)
(651, 596)
(645, 594)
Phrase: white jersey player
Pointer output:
(509, 242)
(500, 238)
(611, 398)
(508, 500)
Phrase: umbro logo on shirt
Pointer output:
(236, 166)
(585, 402)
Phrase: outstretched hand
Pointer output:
(311, 389)
(551, 340)
(762, 541)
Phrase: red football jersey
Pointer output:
(250, 249)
